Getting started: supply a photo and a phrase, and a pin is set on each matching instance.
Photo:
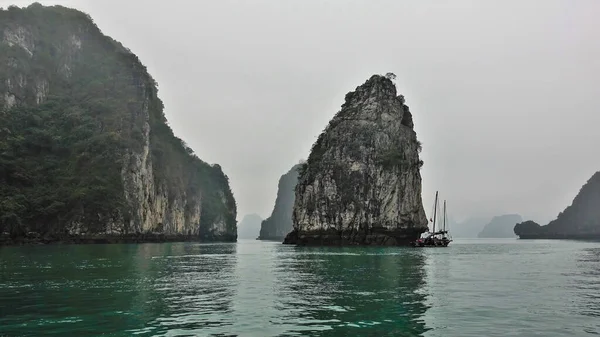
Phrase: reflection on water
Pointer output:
(253, 288)
(193, 289)
(334, 291)
(145, 289)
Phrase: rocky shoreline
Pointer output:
(579, 237)
(271, 238)
(6, 240)
(373, 237)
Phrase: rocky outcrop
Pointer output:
(500, 226)
(87, 149)
(361, 183)
(527, 228)
(249, 227)
(279, 224)
(580, 220)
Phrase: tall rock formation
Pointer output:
(500, 226)
(580, 220)
(361, 183)
(249, 227)
(279, 224)
(85, 147)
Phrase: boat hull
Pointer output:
(421, 243)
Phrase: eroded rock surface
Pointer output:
(361, 183)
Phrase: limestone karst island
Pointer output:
(361, 184)
(86, 151)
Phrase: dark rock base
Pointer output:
(271, 238)
(34, 239)
(374, 237)
(546, 236)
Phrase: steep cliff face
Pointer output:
(279, 224)
(86, 148)
(361, 183)
(579, 220)
(500, 226)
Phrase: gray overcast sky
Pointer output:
(505, 94)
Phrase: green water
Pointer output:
(252, 288)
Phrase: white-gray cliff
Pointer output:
(361, 184)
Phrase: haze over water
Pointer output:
(253, 288)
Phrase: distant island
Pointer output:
(361, 184)
(279, 224)
(501, 226)
(249, 227)
(86, 153)
(580, 220)
(468, 228)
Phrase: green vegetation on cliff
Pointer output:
(79, 117)
(56, 168)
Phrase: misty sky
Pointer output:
(505, 95)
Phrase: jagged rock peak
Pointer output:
(377, 88)
(377, 85)
(361, 183)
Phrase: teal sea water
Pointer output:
(253, 288)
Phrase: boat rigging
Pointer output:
(440, 238)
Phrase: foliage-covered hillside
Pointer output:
(84, 144)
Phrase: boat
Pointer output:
(441, 238)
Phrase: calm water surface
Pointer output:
(253, 288)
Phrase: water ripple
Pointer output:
(472, 288)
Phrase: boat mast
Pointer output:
(435, 210)
(444, 215)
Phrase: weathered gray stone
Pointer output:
(361, 183)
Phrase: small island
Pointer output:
(361, 184)
(500, 226)
(249, 227)
(580, 220)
